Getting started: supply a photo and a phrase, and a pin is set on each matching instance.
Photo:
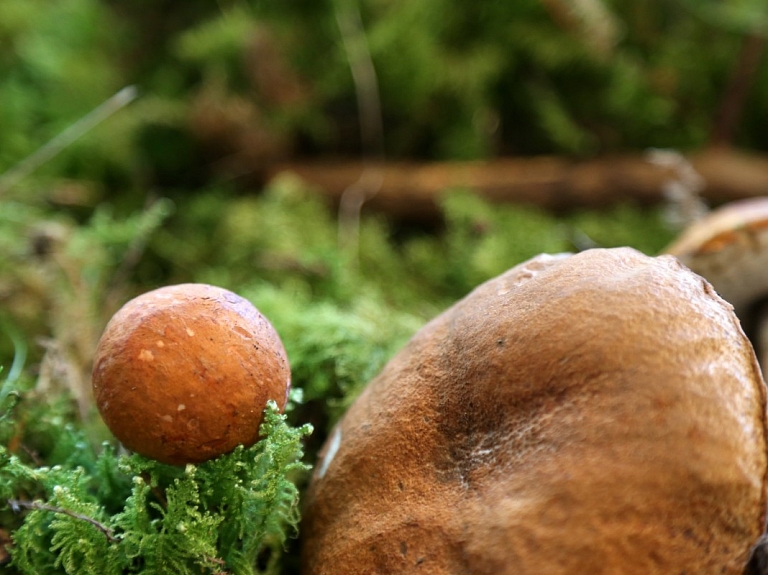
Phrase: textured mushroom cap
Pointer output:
(729, 247)
(595, 413)
(183, 373)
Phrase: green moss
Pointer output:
(107, 514)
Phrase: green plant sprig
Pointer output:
(221, 516)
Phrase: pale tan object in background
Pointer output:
(599, 413)
(729, 247)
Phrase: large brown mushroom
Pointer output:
(595, 413)
(183, 373)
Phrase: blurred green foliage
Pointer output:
(456, 80)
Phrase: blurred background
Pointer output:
(351, 167)
(363, 162)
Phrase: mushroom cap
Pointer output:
(182, 374)
(729, 247)
(595, 413)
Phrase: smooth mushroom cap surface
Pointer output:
(595, 413)
(182, 374)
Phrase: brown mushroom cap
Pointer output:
(595, 413)
(729, 247)
(183, 373)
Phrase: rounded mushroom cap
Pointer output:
(595, 413)
(729, 247)
(183, 373)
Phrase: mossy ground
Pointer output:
(340, 313)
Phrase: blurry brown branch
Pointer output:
(412, 190)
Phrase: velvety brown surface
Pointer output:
(183, 373)
(600, 413)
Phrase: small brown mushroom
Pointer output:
(183, 373)
(595, 413)
(729, 247)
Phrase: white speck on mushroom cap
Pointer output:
(333, 447)
(533, 267)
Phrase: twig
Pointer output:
(350, 24)
(411, 191)
(157, 491)
(7, 389)
(18, 504)
(33, 455)
(351, 205)
(65, 138)
(130, 260)
(19, 353)
(364, 76)
(217, 561)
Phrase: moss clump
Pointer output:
(129, 514)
